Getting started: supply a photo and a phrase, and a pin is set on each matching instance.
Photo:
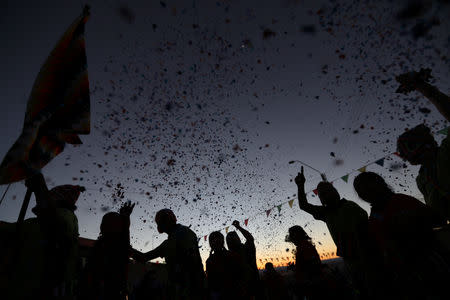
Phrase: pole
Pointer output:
(17, 238)
(24, 208)
(4, 194)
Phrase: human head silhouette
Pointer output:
(216, 241)
(112, 224)
(269, 267)
(233, 241)
(372, 188)
(416, 145)
(297, 234)
(166, 220)
(328, 195)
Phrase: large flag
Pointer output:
(58, 108)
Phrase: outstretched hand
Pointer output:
(409, 81)
(127, 208)
(236, 224)
(300, 179)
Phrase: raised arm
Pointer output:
(418, 81)
(247, 235)
(152, 254)
(125, 211)
(302, 201)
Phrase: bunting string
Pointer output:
(290, 202)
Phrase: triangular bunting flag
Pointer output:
(345, 178)
(246, 222)
(362, 170)
(291, 202)
(279, 208)
(316, 191)
(444, 131)
(268, 212)
(206, 237)
(226, 229)
(396, 153)
(380, 162)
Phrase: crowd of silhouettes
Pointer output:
(399, 251)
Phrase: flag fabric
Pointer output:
(316, 192)
(246, 222)
(206, 237)
(268, 212)
(226, 229)
(279, 208)
(291, 202)
(380, 162)
(58, 108)
(362, 170)
(444, 131)
(345, 178)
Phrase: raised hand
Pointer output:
(300, 179)
(409, 81)
(127, 208)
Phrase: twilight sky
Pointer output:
(199, 105)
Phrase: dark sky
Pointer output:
(199, 105)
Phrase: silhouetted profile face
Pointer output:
(216, 241)
(371, 187)
(328, 195)
(296, 235)
(416, 145)
(166, 220)
(233, 241)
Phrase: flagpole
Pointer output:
(23, 209)
(4, 194)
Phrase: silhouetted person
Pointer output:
(224, 271)
(308, 267)
(347, 224)
(273, 283)
(402, 228)
(247, 252)
(181, 252)
(107, 266)
(46, 263)
(418, 146)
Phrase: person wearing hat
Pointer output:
(181, 252)
(46, 263)
(419, 147)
